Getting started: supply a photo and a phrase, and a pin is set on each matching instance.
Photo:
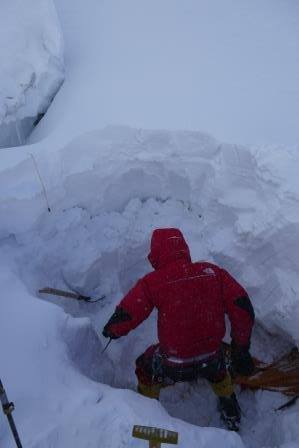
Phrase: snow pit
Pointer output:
(226, 199)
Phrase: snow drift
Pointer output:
(32, 68)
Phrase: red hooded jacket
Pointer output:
(192, 300)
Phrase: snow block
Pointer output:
(32, 69)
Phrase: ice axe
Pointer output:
(155, 436)
(106, 346)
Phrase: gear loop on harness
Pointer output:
(157, 366)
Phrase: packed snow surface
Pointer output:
(108, 189)
(32, 70)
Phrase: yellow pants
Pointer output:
(223, 388)
(152, 391)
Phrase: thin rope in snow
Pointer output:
(41, 181)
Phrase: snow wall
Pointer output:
(239, 207)
(32, 68)
(107, 190)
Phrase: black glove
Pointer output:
(242, 362)
(119, 316)
(108, 334)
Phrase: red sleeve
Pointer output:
(136, 305)
(239, 309)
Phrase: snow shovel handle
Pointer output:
(70, 294)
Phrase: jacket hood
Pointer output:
(167, 246)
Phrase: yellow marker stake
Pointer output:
(155, 436)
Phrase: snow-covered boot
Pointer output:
(230, 412)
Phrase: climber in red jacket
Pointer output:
(192, 300)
